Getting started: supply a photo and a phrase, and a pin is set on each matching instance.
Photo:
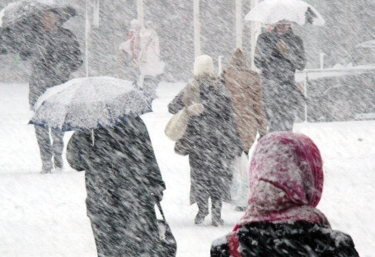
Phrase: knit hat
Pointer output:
(203, 65)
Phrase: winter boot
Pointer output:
(46, 168)
(217, 221)
(58, 161)
(216, 212)
(199, 218)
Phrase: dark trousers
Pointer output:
(278, 118)
(49, 147)
(150, 85)
(281, 101)
(216, 205)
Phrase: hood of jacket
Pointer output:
(238, 59)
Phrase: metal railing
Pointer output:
(333, 72)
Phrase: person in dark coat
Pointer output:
(278, 54)
(286, 183)
(123, 181)
(211, 139)
(54, 54)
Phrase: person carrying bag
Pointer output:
(189, 98)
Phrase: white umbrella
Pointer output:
(89, 103)
(273, 11)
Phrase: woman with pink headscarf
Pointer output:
(131, 49)
(131, 46)
(286, 183)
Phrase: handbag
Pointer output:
(240, 181)
(168, 243)
(177, 125)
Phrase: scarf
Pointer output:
(286, 183)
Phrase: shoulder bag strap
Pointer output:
(160, 210)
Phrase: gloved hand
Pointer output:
(282, 48)
(195, 109)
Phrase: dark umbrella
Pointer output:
(19, 20)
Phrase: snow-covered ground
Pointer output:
(45, 215)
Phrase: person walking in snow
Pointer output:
(211, 139)
(286, 183)
(278, 54)
(54, 54)
(150, 65)
(131, 47)
(245, 89)
(123, 181)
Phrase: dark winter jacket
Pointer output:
(121, 175)
(211, 140)
(54, 55)
(299, 239)
(274, 65)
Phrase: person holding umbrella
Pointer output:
(54, 54)
(123, 181)
(112, 145)
(278, 54)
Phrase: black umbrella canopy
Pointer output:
(19, 21)
(28, 10)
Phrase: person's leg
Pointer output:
(288, 122)
(44, 142)
(216, 211)
(57, 147)
(288, 105)
(149, 86)
(283, 109)
(135, 76)
(269, 94)
(202, 202)
(275, 117)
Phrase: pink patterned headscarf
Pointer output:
(286, 182)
